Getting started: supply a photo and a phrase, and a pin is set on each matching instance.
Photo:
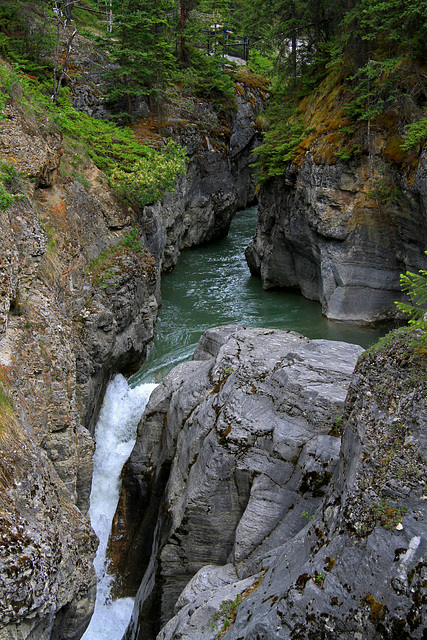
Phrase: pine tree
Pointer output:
(415, 286)
(142, 43)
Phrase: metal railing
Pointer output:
(238, 49)
(234, 46)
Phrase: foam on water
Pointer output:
(115, 435)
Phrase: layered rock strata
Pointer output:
(234, 455)
(322, 230)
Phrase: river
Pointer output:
(210, 286)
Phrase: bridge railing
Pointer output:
(234, 45)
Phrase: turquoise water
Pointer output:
(212, 286)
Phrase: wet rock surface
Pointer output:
(243, 445)
(321, 231)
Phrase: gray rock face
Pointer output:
(34, 152)
(46, 546)
(310, 548)
(218, 180)
(248, 438)
(320, 231)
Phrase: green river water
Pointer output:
(211, 286)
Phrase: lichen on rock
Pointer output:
(258, 488)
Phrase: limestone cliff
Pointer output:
(288, 532)
(219, 179)
(348, 215)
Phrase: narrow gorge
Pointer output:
(274, 487)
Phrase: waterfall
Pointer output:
(115, 435)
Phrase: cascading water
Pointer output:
(115, 435)
(210, 286)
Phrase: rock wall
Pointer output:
(218, 179)
(321, 230)
(63, 331)
(76, 306)
(286, 531)
(233, 449)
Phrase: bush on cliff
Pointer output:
(343, 77)
(415, 286)
(152, 176)
(9, 186)
(112, 148)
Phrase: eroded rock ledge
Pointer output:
(321, 231)
(239, 489)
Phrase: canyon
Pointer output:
(258, 476)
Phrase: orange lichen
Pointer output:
(146, 130)
(393, 151)
(378, 609)
(251, 80)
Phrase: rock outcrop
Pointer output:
(286, 531)
(47, 584)
(322, 230)
(242, 442)
(218, 181)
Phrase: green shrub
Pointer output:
(141, 174)
(415, 286)
(416, 134)
(9, 186)
(205, 77)
(152, 176)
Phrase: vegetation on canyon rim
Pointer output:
(338, 73)
(113, 149)
(348, 71)
(10, 186)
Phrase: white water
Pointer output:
(115, 435)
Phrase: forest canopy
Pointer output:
(371, 52)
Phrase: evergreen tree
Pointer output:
(142, 43)
(26, 32)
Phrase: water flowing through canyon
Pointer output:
(210, 286)
(115, 435)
